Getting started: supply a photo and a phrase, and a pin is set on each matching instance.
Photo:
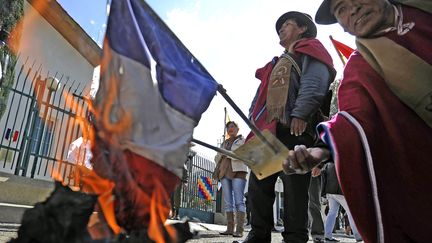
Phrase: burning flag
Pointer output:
(144, 125)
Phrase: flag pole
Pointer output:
(222, 151)
(225, 121)
(338, 52)
(254, 129)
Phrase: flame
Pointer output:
(159, 210)
(93, 183)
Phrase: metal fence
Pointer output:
(39, 124)
(198, 168)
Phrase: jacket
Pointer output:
(305, 97)
(306, 93)
(330, 183)
(237, 165)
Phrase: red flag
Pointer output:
(342, 49)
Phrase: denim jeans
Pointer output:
(334, 202)
(233, 193)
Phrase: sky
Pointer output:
(230, 38)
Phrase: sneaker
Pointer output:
(331, 239)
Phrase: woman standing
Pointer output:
(232, 175)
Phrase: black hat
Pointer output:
(300, 18)
(323, 15)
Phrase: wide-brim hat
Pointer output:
(303, 17)
(324, 15)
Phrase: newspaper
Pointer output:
(260, 158)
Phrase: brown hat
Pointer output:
(300, 18)
(323, 15)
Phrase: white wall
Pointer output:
(42, 46)
(45, 46)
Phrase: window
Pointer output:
(47, 129)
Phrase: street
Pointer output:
(204, 233)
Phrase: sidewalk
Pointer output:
(205, 233)
(209, 233)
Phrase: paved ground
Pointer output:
(209, 233)
(205, 233)
(7, 231)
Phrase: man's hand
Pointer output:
(298, 126)
(301, 160)
(316, 172)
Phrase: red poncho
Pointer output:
(311, 47)
(400, 144)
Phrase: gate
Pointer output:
(39, 124)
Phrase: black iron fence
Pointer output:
(200, 192)
(39, 124)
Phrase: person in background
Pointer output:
(232, 175)
(316, 223)
(381, 139)
(335, 199)
(79, 152)
(176, 195)
(248, 212)
(287, 103)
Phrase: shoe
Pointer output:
(318, 240)
(252, 238)
(331, 240)
(275, 230)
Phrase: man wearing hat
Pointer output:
(292, 90)
(381, 139)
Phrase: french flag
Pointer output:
(164, 111)
(146, 123)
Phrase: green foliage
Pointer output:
(8, 79)
(11, 12)
(333, 106)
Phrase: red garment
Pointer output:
(400, 144)
(311, 47)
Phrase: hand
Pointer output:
(316, 172)
(301, 160)
(298, 126)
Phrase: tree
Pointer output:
(11, 12)
(333, 106)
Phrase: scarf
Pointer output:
(277, 92)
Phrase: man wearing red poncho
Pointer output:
(382, 138)
(292, 90)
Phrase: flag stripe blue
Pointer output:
(183, 82)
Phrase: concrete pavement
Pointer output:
(19, 193)
(209, 233)
(204, 233)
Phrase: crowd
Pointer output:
(372, 157)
